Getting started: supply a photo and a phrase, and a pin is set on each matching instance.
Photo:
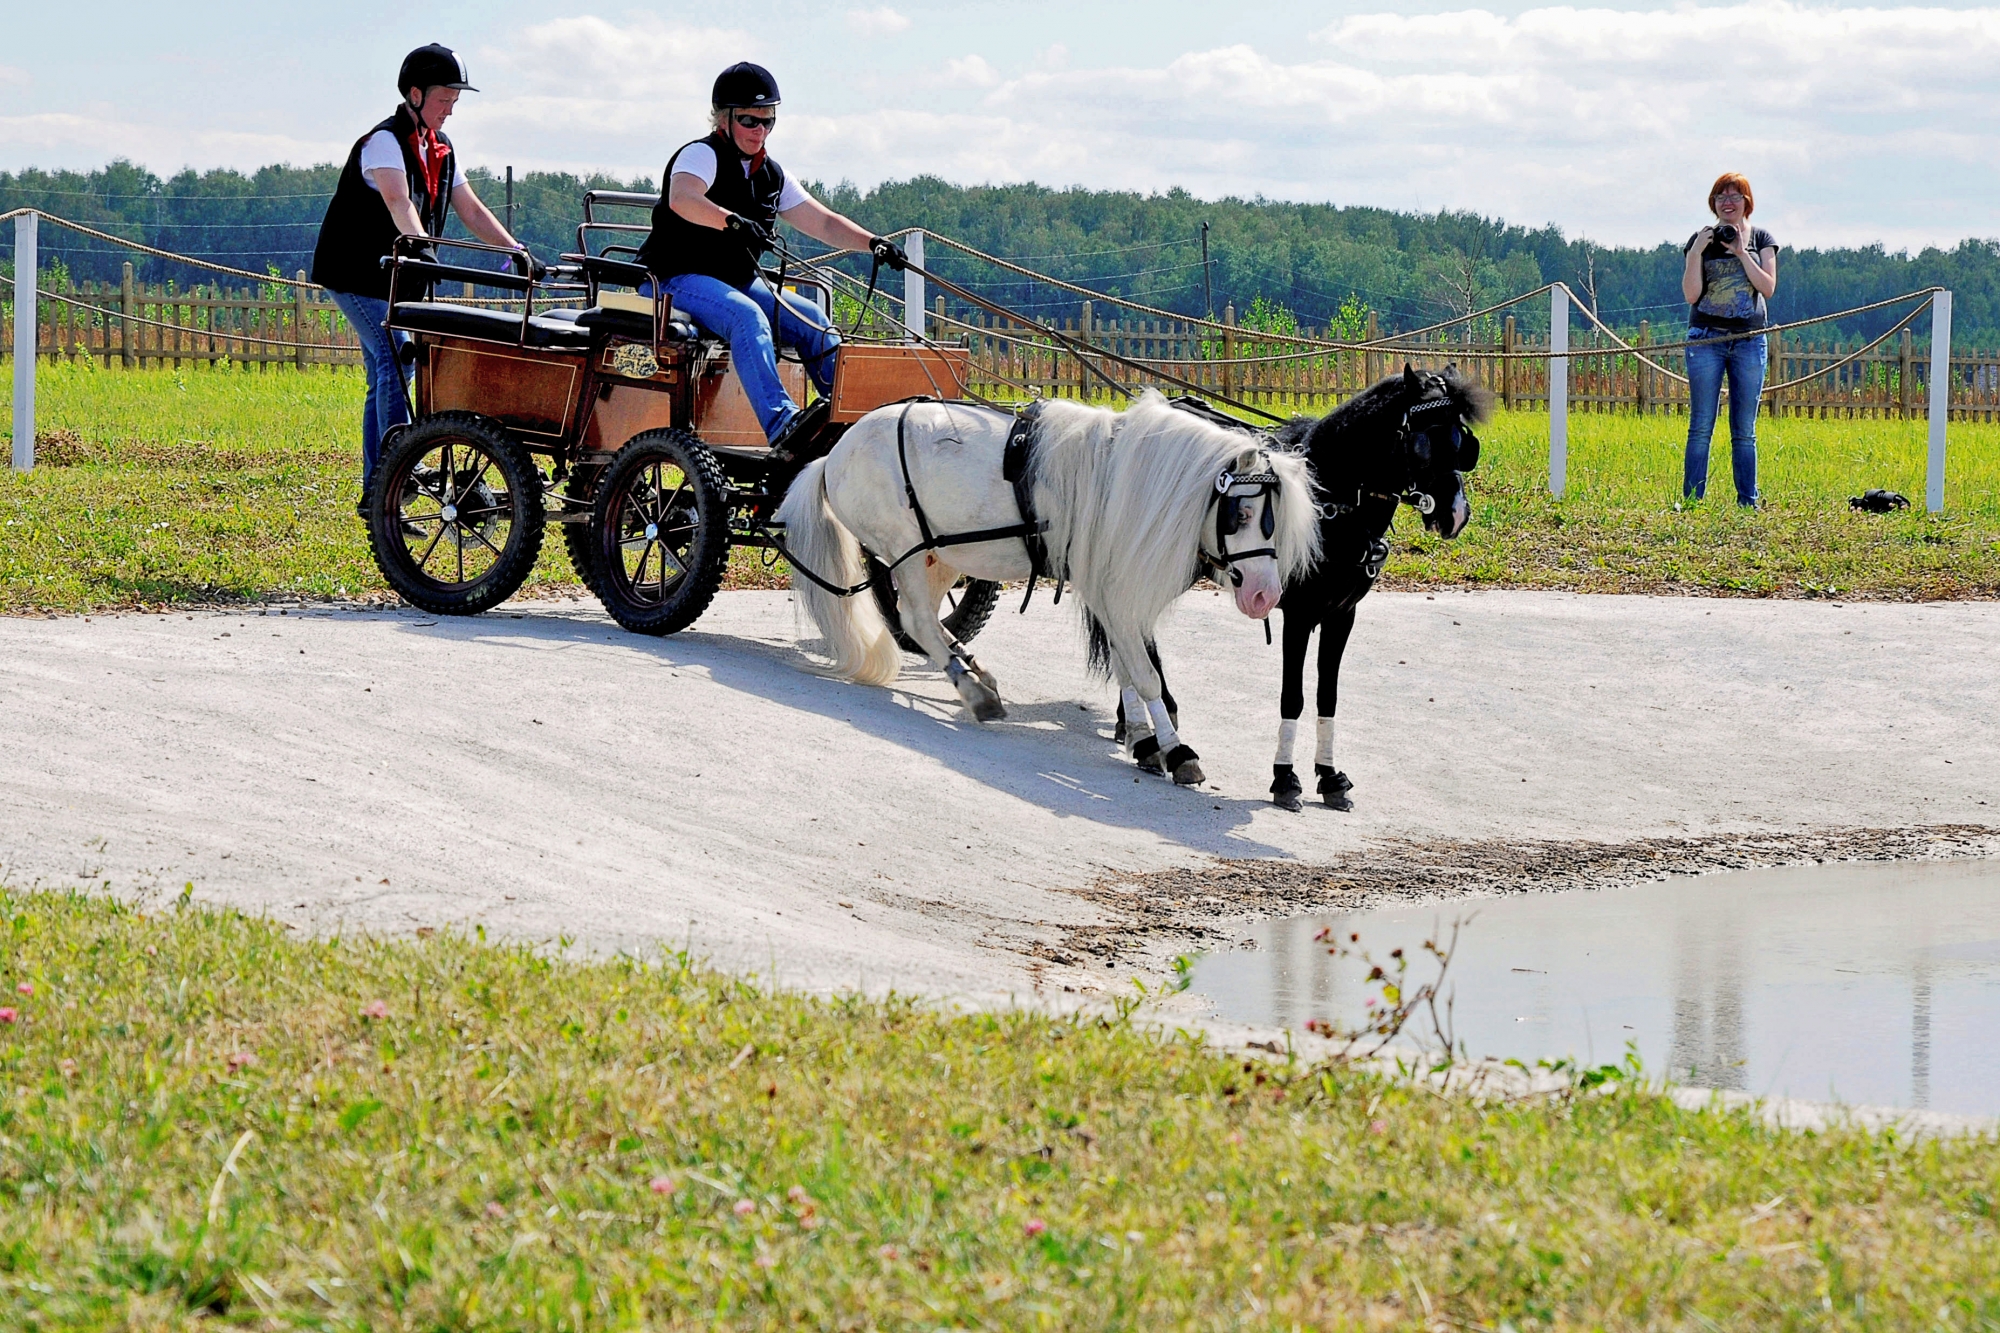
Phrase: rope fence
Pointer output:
(1016, 355)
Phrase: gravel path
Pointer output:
(541, 773)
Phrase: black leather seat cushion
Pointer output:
(630, 324)
(464, 321)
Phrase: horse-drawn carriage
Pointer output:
(620, 422)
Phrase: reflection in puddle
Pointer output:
(1873, 984)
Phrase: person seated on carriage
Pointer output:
(402, 178)
(720, 201)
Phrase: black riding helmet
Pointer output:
(744, 84)
(433, 66)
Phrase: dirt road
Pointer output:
(544, 774)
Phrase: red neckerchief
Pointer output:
(430, 156)
(756, 162)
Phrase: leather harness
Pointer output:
(1017, 469)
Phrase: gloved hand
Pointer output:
(528, 266)
(755, 239)
(427, 251)
(888, 252)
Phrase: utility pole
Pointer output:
(1207, 285)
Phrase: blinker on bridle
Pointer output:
(1229, 518)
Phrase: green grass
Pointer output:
(205, 485)
(200, 1120)
(1622, 527)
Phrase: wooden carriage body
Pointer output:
(620, 421)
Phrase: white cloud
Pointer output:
(971, 72)
(881, 22)
(80, 136)
(1854, 124)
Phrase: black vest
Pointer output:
(678, 246)
(358, 231)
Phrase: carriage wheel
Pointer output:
(455, 514)
(971, 603)
(579, 489)
(659, 532)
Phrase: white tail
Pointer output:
(863, 649)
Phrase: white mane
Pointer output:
(1126, 498)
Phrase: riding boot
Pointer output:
(1333, 787)
(1285, 788)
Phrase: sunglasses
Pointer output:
(756, 122)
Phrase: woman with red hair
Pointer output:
(1730, 271)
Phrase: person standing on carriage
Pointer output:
(720, 200)
(402, 178)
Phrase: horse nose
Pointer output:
(1262, 600)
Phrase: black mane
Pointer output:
(1373, 417)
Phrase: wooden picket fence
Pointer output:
(122, 324)
(1889, 381)
(293, 325)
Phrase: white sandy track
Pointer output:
(543, 773)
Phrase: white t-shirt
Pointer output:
(382, 152)
(698, 160)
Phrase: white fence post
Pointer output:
(1940, 397)
(26, 283)
(1558, 389)
(913, 286)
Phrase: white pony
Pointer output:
(1135, 505)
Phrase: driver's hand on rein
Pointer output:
(753, 236)
(888, 252)
(528, 266)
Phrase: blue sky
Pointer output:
(1856, 124)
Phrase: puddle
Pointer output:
(1874, 984)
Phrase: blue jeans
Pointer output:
(388, 402)
(1743, 362)
(742, 318)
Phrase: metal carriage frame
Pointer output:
(621, 422)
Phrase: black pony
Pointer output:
(1405, 440)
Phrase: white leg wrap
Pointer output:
(1288, 735)
(1135, 712)
(1323, 753)
(1163, 730)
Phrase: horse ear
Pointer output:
(1410, 376)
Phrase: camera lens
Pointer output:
(1726, 233)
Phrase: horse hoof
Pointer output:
(1336, 800)
(1289, 801)
(989, 710)
(1151, 764)
(1285, 788)
(1189, 774)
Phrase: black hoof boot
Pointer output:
(1333, 787)
(1147, 755)
(1285, 789)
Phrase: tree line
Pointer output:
(1289, 261)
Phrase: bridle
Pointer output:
(1415, 433)
(1231, 490)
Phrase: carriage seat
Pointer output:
(464, 321)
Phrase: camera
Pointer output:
(1726, 233)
